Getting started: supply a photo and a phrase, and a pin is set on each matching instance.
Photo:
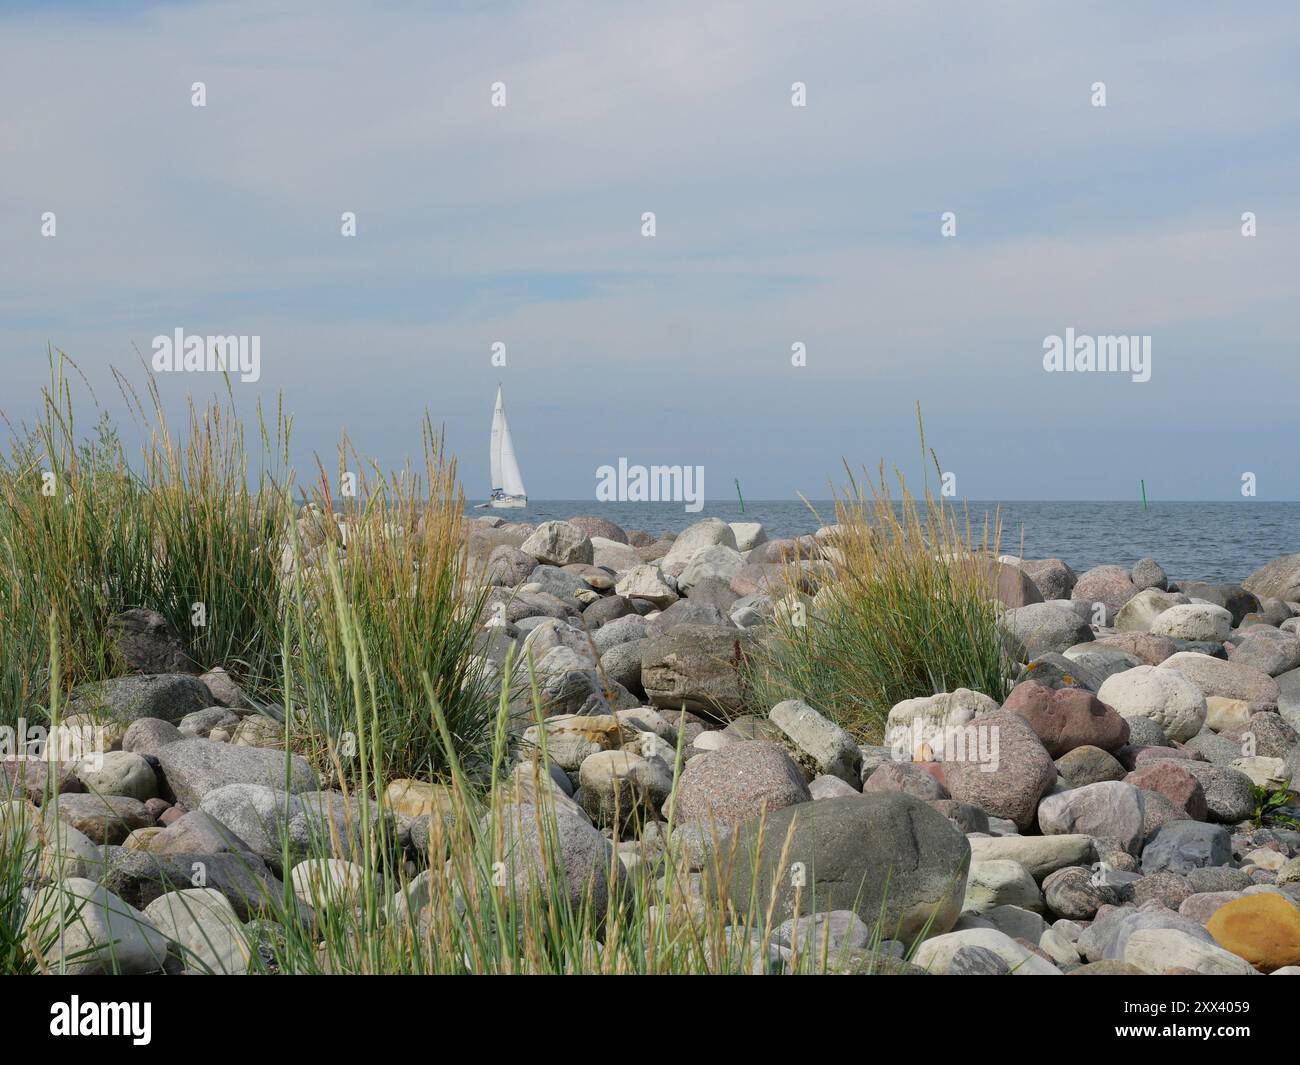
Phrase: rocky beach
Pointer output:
(1119, 801)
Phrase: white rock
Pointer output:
(203, 922)
(748, 534)
(647, 581)
(322, 881)
(828, 747)
(613, 555)
(1194, 621)
(100, 935)
(935, 955)
(696, 538)
(1153, 950)
(717, 561)
(1163, 695)
(1000, 882)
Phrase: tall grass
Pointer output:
(911, 611)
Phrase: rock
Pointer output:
(35, 779)
(1173, 701)
(718, 562)
(328, 883)
(1183, 845)
(1156, 950)
(1263, 929)
(748, 534)
(1147, 573)
(592, 526)
(558, 543)
(147, 734)
(1075, 892)
(1040, 628)
(1108, 936)
(1110, 585)
(1110, 810)
(911, 778)
(205, 925)
(966, 953)
(916, 728)
(695, 538)
(118, 773)
(698, 667)
(1053, 578)
(618, 787)
(1278, 579)
(822, 745)
(1088, 765)
(1228, 791)
(1166, 887)
(1271, 774)
(828, 787)
(1194, 621)
(258, 731)
(1232, 597)
(1007, 582)
(1150, 648)
(167, 696)
(1222, 714)
(1066, 718)
(196, 832)
(1140, 613)
(418, 798)
(824, 933)
(1175, 783)
(260, 817)
(1102, 661)
(1266, 650)
(1040, 855)
(103, 818)
(143, 641)
(609, 554)
(888, 857)
(1000, 882)
(1217, 878)
(201, 723)
(223, 691)
(687, 612)
(243, 878)
(1227, 679)
(92, 932)
(647, 582)
(736, 782)
(194, 767)
(1056, 671)
(1010, 773)
(534, 844)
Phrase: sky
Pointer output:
(774, 225)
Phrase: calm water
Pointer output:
(1192, 541)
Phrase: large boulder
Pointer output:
(978, 951)
(166, 696)
(1194, 621)
(1279, 579)
(1140, 612)
(86, 930)
(1182, 845)
(1173, 701)
(697, 667)
(1230, 680)
(558, 543)
(194, 767)
(648, 582)
(737, 782)
(886, 856)
(1110, 810)
(613, 555)
(1110, 585)
(1262, 929)
(1053, 577)
(1066, 718)
(1004, 770)
(1039, 628)
(719, 561)
(694, 539)
(538, 842)
(593, 526)
(205, 926)
(822, 745)
(1232, 597)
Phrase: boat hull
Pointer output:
(509, 502)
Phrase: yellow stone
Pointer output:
(415, 798)
(140, 839)
(1264, 929)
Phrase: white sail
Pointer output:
(505, 466)
(498, 424)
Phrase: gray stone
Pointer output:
(821, 744)
(1184, 845)
(167, 696)
(194, 767)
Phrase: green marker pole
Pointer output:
(739, 496)
(1144, 495)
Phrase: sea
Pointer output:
(1191, 541)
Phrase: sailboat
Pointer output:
(507, 482)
